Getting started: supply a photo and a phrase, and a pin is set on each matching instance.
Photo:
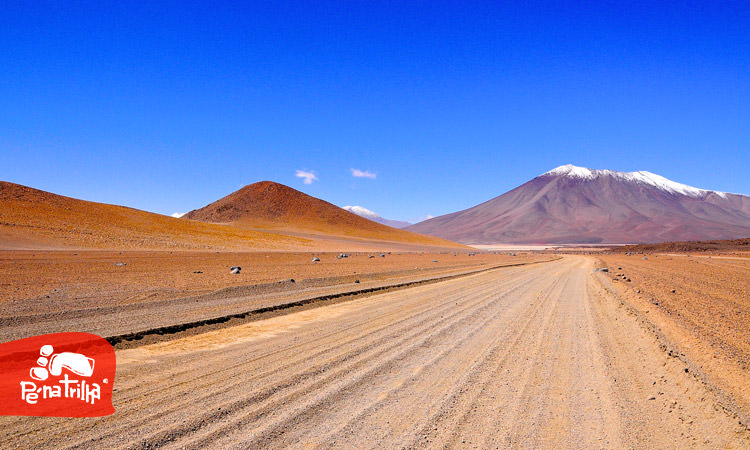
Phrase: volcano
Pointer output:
(576, 205)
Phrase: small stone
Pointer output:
(316, 259)
(235, 269)
(120, 264)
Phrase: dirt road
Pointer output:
(536, 357)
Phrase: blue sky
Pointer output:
(168, 107)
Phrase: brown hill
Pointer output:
(31, 218)
(272, 206)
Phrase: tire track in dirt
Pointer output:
(528, 357)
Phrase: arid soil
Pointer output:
(45, 292)
(701, 302)
(738, 247)
(70, 276)
(73, 276)
(542, 356)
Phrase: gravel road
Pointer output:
(540, 356)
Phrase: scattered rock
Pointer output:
(603, 269)
(235, 269)
(197, 271)
(356, 281)
(316, 259)
(119, 264)
(287, 280)
(434, 260)
(645, 258)
(382, 255)
(371, 256)
(674, 291)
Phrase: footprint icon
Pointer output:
(52, 364)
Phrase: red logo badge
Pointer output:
(58, 375)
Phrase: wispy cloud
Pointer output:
(363, 174)
(178, 215)
(307, 175)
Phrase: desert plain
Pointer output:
(534, 350)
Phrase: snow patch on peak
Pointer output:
(573, 171)
(665, 184)
(361, 211)
(641, 176)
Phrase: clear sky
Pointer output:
(442, 105)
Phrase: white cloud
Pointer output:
(363, 174)
(307, 175)
(178, 215)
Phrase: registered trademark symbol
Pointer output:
(105, 381)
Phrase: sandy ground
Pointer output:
(708, 314)
(46, 292)
(74, 276)
(542, 356)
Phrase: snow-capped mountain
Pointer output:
(375, 217)
(640, 176)
(571, 204)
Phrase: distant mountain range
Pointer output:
(567, 205)
(375, 217)
(572, 204)
(263, 215)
